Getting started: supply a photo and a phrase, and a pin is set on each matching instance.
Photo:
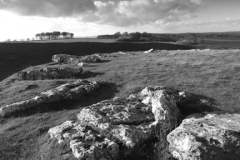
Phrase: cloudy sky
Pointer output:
(21, 19)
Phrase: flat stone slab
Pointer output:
(65, 58)
(37, 73)
(214, 136)
(69, 91)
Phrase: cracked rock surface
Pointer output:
(85, 143)
(131, 123)
(207, 136)
(69, 91)
(50, 73)
(64, 58)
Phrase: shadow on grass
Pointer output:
(193, 103)
(106, 91)
(103, 61)
(89, 74)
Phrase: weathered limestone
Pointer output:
(128, 122)
(85, 143)
(50, 73)
(207, 136)
(64, 58)
(131, 123)
(68, 91)
(163, 104)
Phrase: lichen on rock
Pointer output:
(85, 143)
(214, 135)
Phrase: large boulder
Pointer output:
(207, 136)
(50, 73)
(64, 58)
(127, 122)
(69, 91)
(133, 123)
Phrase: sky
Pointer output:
(22, 19)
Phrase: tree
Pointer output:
(64, 34)
(71, 35)
(42, 36)
(37, 36)
(117, 35)
(125, 34)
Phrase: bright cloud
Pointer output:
(117, 13)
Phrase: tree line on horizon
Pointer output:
(186, 38)
(54, 35)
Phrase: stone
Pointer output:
(134, 123)
(85, 143)
(149, 51)
(64, 58)
(136, 120)
(207, 136)
(51, 73)
(69, 91)
(128, 122)
(163, 104)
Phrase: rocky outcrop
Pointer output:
(51, 73)
(64, 58)
(69, 91)
(130, 123)
(206, 136)
(85, 143)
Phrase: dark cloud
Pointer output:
(112, 12)
(48, 8)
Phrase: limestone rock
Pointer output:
(69, 91)
(135, 120)
(50, 73)
(133, 123)
(64, 58)
(163, 104)
(207, 136)
(128, 122)
(85, 143)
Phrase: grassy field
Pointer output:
(223, 42)
(214, 74)
(17, 56)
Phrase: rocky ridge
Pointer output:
(128, 122)
(69, 91)
(149, 121)
(38, 73)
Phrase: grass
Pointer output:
(214, 74)
(223, 42)
(17, 56)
